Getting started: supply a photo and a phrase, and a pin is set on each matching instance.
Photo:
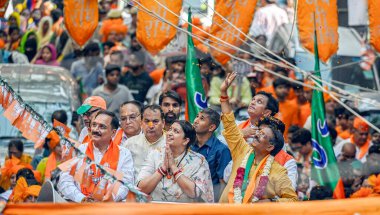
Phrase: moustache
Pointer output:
(96, 133)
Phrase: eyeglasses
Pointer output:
(131, 118)
(89, 113)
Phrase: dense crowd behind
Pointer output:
(138, 100)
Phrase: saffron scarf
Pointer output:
(363, 149)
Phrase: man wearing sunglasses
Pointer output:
(90, 107)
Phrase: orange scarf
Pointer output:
(363, 149)
(23, 191)
(252, 183)
(110, 159)
(11, 167)
(118, 137)
(51, 164)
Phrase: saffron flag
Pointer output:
(374, 23)
(153, 33)
(325, 168)
(81, 19)
(3, 7)
(196, 98)
(326, 21)
(239, 14)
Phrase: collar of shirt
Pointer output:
(159, 139)
(98, 155)
(125, 138)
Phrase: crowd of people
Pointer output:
(133, 123)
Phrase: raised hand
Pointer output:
(227, 82)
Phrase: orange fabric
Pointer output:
(81, 19)
(2, 44)
(11, 167)
(23, 191)
(61, 127)
(362, 192)
(111, 157)
(360, 125)
(368, 206)
(152, 33)
(54, 139)
(364, 149)
(157, 75)
(51, 164)
(270, 89)
(118, 137)
(96, 101)
(288, 114)
(374, 181)
(326, 24)
(203, 35)
(37, 176)
(304, 113)
(374, 23)
(57, 27)
(239, 14)
(344, 134)
(112, 25)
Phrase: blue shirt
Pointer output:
(217, 155)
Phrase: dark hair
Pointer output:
(108, 43)
(277, 141)
(2, 190)
(333, 133)
(321, 193)
(293, 129)
(280, 82)
(297, 86)
(274, 122)
(222, 73)
(153, 108)
(281, 70)
(16, 143)
(26, 173)
(374, 149)
(188, 130)
(136, 103)
(13, 28)
(171, 94)
(302, 136)
(112, 67)
(341, 111)
(114, 121)
(272, 103)
(91, 47)
(56, 14)
(59, 115)
(213, 116)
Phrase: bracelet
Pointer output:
(179, 175)
(176, 173)
(161, 171)
(223, 97)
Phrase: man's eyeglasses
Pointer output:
(89, 113)
(131, 118)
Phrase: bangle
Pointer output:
(176, 173)
(161, 171)
(223, 97)
(179, 175)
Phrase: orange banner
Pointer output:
(238, 13)
(61, 127)
(374, 23)
(326, 23)
(153, 33)
(3, 7)
(13, 112)
(81, 19)
(368, 206)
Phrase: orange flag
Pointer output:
(153, 33)
(61, 127)
(3, 7)
(240, 14)
(374, 23)
(14, 111)
(326, 24)
(81, 19)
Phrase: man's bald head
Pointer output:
(348, 152)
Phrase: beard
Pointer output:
(169, 119)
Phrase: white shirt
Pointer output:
(339, 146)
(267, 19)
(140, 147)
(71, 189)
(124, 138)
(83, 134)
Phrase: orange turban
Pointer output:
(360, 125)
(54, 139)
(23, 191)
(374, 181)
(110, 25)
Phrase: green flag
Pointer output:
(196, 99)
(325, 168)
